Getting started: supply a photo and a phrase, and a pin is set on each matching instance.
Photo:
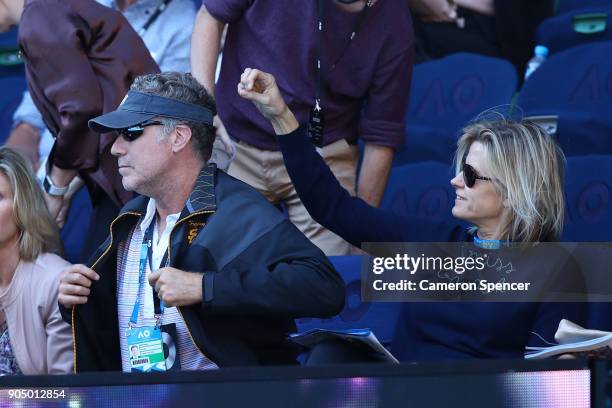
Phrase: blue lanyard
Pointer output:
(146, 255)
(486, 243)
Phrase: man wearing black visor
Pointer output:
(198, 272)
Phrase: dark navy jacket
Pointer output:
(425, 331)
(260, 273)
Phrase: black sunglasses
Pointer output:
(132, 133)
(470, 175)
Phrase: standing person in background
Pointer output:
(361, 89)
(33, 337)
(164, 26)
(74, 74)
(497, 28)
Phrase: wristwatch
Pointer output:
(52, 189)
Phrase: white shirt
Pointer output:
(128, 262)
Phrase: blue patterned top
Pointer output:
(8, 362)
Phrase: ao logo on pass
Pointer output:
(144, 334)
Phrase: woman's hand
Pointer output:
(260, 88)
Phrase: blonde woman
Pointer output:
(33, 337)
(509, 187)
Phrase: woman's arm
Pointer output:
(323, 196)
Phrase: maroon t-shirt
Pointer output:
(365, 94)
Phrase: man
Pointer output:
(365, 51)
(229, 271)
(164, 26)
(73, 74)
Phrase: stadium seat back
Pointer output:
(379, 317)
(448, 93)
(575, 28)
(76, 226)
(12, 81)
(588, 189)
(425, 143)
(573, 89)
(420, 189)
(566, 6)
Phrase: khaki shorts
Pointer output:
(265, 171)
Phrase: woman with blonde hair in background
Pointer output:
(33, 337)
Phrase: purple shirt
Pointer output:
(365, 95)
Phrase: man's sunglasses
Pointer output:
(470, 175)
(132, 133)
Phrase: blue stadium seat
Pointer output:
(566, 6)
(12, 87)
(77, 223)
(575, 28)
(588, 189)
(12, 81)
(380, 317)
(573, 89)
(421, 189)
(424, 143)
(448, 93)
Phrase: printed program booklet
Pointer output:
(366, 337)
(576, 341)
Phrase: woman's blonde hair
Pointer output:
(528, 169)
(38, 232)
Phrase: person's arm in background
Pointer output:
(374, 173)
(28, 126)
(480, 6)
(205, 40)
(382, 126)
(433, 10)
(69, 83)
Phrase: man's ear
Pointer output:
(182, 136)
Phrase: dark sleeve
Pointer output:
(66, 313)
(281, 273)
(226, 11)
(547, 320)
(566, 282)
(55, 39)
(353, 219)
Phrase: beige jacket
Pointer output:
(41, 340)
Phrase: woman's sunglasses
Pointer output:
(132, 133)
(470, 175)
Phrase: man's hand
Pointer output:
(75, 185)
(25, 138)
(75, 284)
(177, 288)
(434, 10)
(61, 178)
(54, 204)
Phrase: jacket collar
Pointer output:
(202, 198)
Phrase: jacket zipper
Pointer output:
(110, 245)
(170, 259)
